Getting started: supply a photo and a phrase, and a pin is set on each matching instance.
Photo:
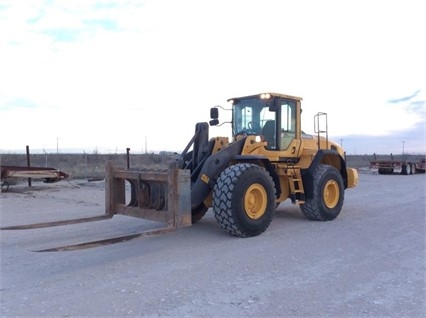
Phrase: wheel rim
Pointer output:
(331, 194)
(255, 201)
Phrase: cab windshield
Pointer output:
(250, 115)
(274, 119)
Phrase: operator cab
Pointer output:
(267, 115)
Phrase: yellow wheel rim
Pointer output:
(255, 201)
(331, 194)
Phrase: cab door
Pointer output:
(288, 121)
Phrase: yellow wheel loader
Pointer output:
(268, 160)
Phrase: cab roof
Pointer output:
(272, 95)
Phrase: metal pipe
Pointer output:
(128, 158)
(28, 163)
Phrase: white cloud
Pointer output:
(154, 68)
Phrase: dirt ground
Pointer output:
(369, 262)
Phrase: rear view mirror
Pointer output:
(214, 122)
(273, 106)
(214, 113)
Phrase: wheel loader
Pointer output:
(268, 160)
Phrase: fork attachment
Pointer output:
(163, 196)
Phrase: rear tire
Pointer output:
(244, 200)
(326, 201)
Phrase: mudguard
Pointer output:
(321, 157)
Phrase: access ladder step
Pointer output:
(296, 186)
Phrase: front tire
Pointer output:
(244, 200)
(326, 201)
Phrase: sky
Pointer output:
(103, 76)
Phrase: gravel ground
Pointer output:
(369, 262)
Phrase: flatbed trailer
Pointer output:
(49, 175)
(395, 166)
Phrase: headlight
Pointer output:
(265, 96)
